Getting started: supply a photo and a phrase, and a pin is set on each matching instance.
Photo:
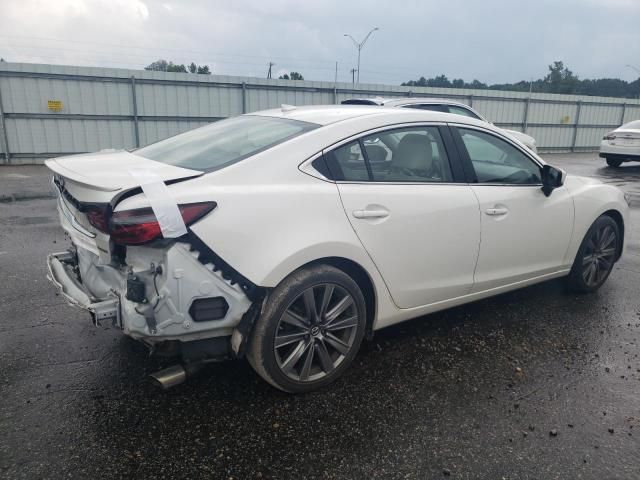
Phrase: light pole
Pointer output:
(359, 46)
(633, 67)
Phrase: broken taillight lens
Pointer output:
(138, 226)
(98, 216)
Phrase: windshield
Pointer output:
(224, 142)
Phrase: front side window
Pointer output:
(497, 161)
(224, 142)
(462, 111)
(414, 154)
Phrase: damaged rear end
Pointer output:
(143, 270)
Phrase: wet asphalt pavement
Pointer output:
(532, 384)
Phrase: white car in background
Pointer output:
(277, 236)
(622, 145)
(440, 105)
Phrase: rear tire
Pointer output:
(310, 330)
(614, 162)
(596, 256)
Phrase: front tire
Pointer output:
(613, 162)
(310, 331)
(596, 256)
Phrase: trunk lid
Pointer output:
(96, 181)
(99, 177)
(626, 138)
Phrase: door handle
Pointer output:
(496, 211)
(370, 213)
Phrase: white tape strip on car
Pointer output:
(162, 203)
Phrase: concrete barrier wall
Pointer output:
(52, 110)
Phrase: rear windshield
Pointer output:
(224, 142)
(632, 125)
(359, 101)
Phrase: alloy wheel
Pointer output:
(316, 332)
(599, 255)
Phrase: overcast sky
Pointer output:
(494, 41)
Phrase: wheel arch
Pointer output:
(617, 217)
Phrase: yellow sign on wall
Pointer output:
(55, 105)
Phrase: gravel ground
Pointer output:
(536, 383)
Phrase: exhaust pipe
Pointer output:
(169, 377)
(175, 374)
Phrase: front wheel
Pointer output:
(596, 256)
(310, 330)
(614, 162)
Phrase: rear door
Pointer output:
(524, 234)
(412, 210)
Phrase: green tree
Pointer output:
(291, 76)
(560, 79)
(164, 66)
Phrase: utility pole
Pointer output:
(271, 64)
(353, 75)
(360, 45)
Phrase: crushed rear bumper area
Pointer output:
(163, 293)
(63, 274)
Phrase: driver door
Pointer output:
(524, 234)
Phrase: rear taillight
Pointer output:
(98, 216)
(609, 136)
(138, 226)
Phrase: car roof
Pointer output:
(328, 114)
(405, 101)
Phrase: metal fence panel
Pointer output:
(501, 112)
(631, 113)
(553, 113)
(42, 136)
(48, 110)
(586, 136)
(31, 95)
(600, 114)
(553, 138)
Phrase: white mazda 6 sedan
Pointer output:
(290, 235)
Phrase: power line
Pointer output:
(156, 49)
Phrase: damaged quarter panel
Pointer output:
(294, 218)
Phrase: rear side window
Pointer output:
(415, 154)
(225, 142)
(347, 163)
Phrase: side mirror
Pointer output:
(552, 178)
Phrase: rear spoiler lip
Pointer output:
(55, 167)
(169, 172)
